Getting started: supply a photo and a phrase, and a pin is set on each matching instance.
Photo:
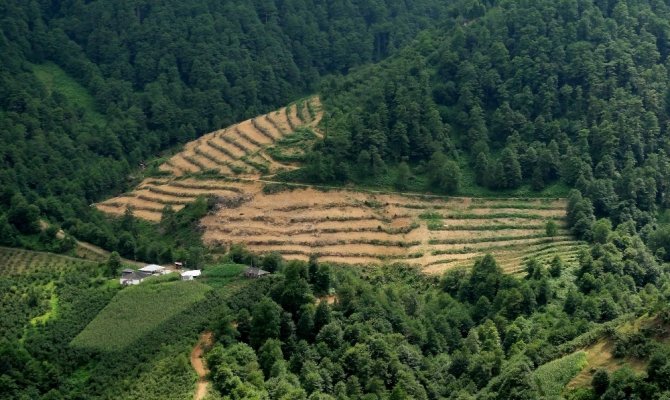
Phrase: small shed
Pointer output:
(178, 264)
(190, 275)
(153, 269)
(255, 273)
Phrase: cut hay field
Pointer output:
(435, 233)
(136, 311)
(18, 261)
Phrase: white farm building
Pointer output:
(190, 275)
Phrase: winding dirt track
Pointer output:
(199, 365)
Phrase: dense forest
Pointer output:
(530, 93)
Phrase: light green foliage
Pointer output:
(57, 80)
(221, 275)
(551, 228)
(170, 378)
(552, 377)
(135, 311)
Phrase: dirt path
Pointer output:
(199, 365)
(100, 253)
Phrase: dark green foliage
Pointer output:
(403, 175)
(265, 322)
(272, 262)
(444, 174)
(113, 264)
(601, 381)
(551, 228)
(580, 214)
(518, 106)
(295, 290)
(511, 169)
(556, 267)
(322, 315)
(24, 216)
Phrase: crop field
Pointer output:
(19, 261)
(435, 233)
(553, 376)
(136, 311)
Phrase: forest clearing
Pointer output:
(236, 165)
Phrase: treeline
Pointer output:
(529, 93)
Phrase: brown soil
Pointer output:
(160, 198)
(250, 130)
(169, 168)
(180, 192)
(265, 124)
(182, 164)
(544, 213)
(204, 161)
(198, 364)
(279, 118)
(248, 146)
(293, 115)
(214, 153)
(234, 150)
(116, 210)
(330, 299)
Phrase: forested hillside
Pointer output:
(566, 99)
(90, 90)
(531, 93)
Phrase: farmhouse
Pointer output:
(131, 277)
(153, 269)
(254, 273)
(190, 275)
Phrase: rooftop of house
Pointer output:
(255, 271)
(152, 268)
(135, 276)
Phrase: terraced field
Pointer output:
(18, 261)
(344, 226)
(371, 228)
(253, 149)
(242, 149)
